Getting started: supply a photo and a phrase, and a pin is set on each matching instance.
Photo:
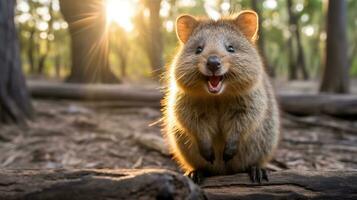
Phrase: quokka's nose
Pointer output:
(213, 63)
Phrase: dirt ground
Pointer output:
(70, 134)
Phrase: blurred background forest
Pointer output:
(142, 39)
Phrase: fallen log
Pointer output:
(164, 184)
(284, 185)
(58, 90)
(334, 124)
(143, 96)
(313, 104)
(96, 184)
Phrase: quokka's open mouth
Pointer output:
(214, 84)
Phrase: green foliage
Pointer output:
(352, 36)
(38, 39)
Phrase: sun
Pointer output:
(120, 12)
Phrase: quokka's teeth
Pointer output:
(214, 80)
(214, 88)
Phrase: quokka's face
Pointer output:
(218, 57)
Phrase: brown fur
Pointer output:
(242, 120)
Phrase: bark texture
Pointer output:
(96, 184)
(284, 185)
(164, 184)
(15, 105)
(336, 76)
(89, 41)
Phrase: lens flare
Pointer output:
(120, 12)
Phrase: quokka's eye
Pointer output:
(230, 49)
(199, 50)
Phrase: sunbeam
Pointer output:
(120, 12)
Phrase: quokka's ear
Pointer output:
(247, 22)
(185, 24)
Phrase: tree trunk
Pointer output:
(15, 105)
(154, 42)
(256, 5)
(351, 56)
(336, 74)
(292, 63)
(123, 66)
(90, 45)
(155, 31)
(299, 63)
(31, 49)
(120, 46)
(58, 66)
(41, 63)
(43, 57)
(292, 60)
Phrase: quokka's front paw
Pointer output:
(257, 174)
(208, 154)
(196, 176)
(230, 150)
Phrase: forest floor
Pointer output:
(78, 134)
